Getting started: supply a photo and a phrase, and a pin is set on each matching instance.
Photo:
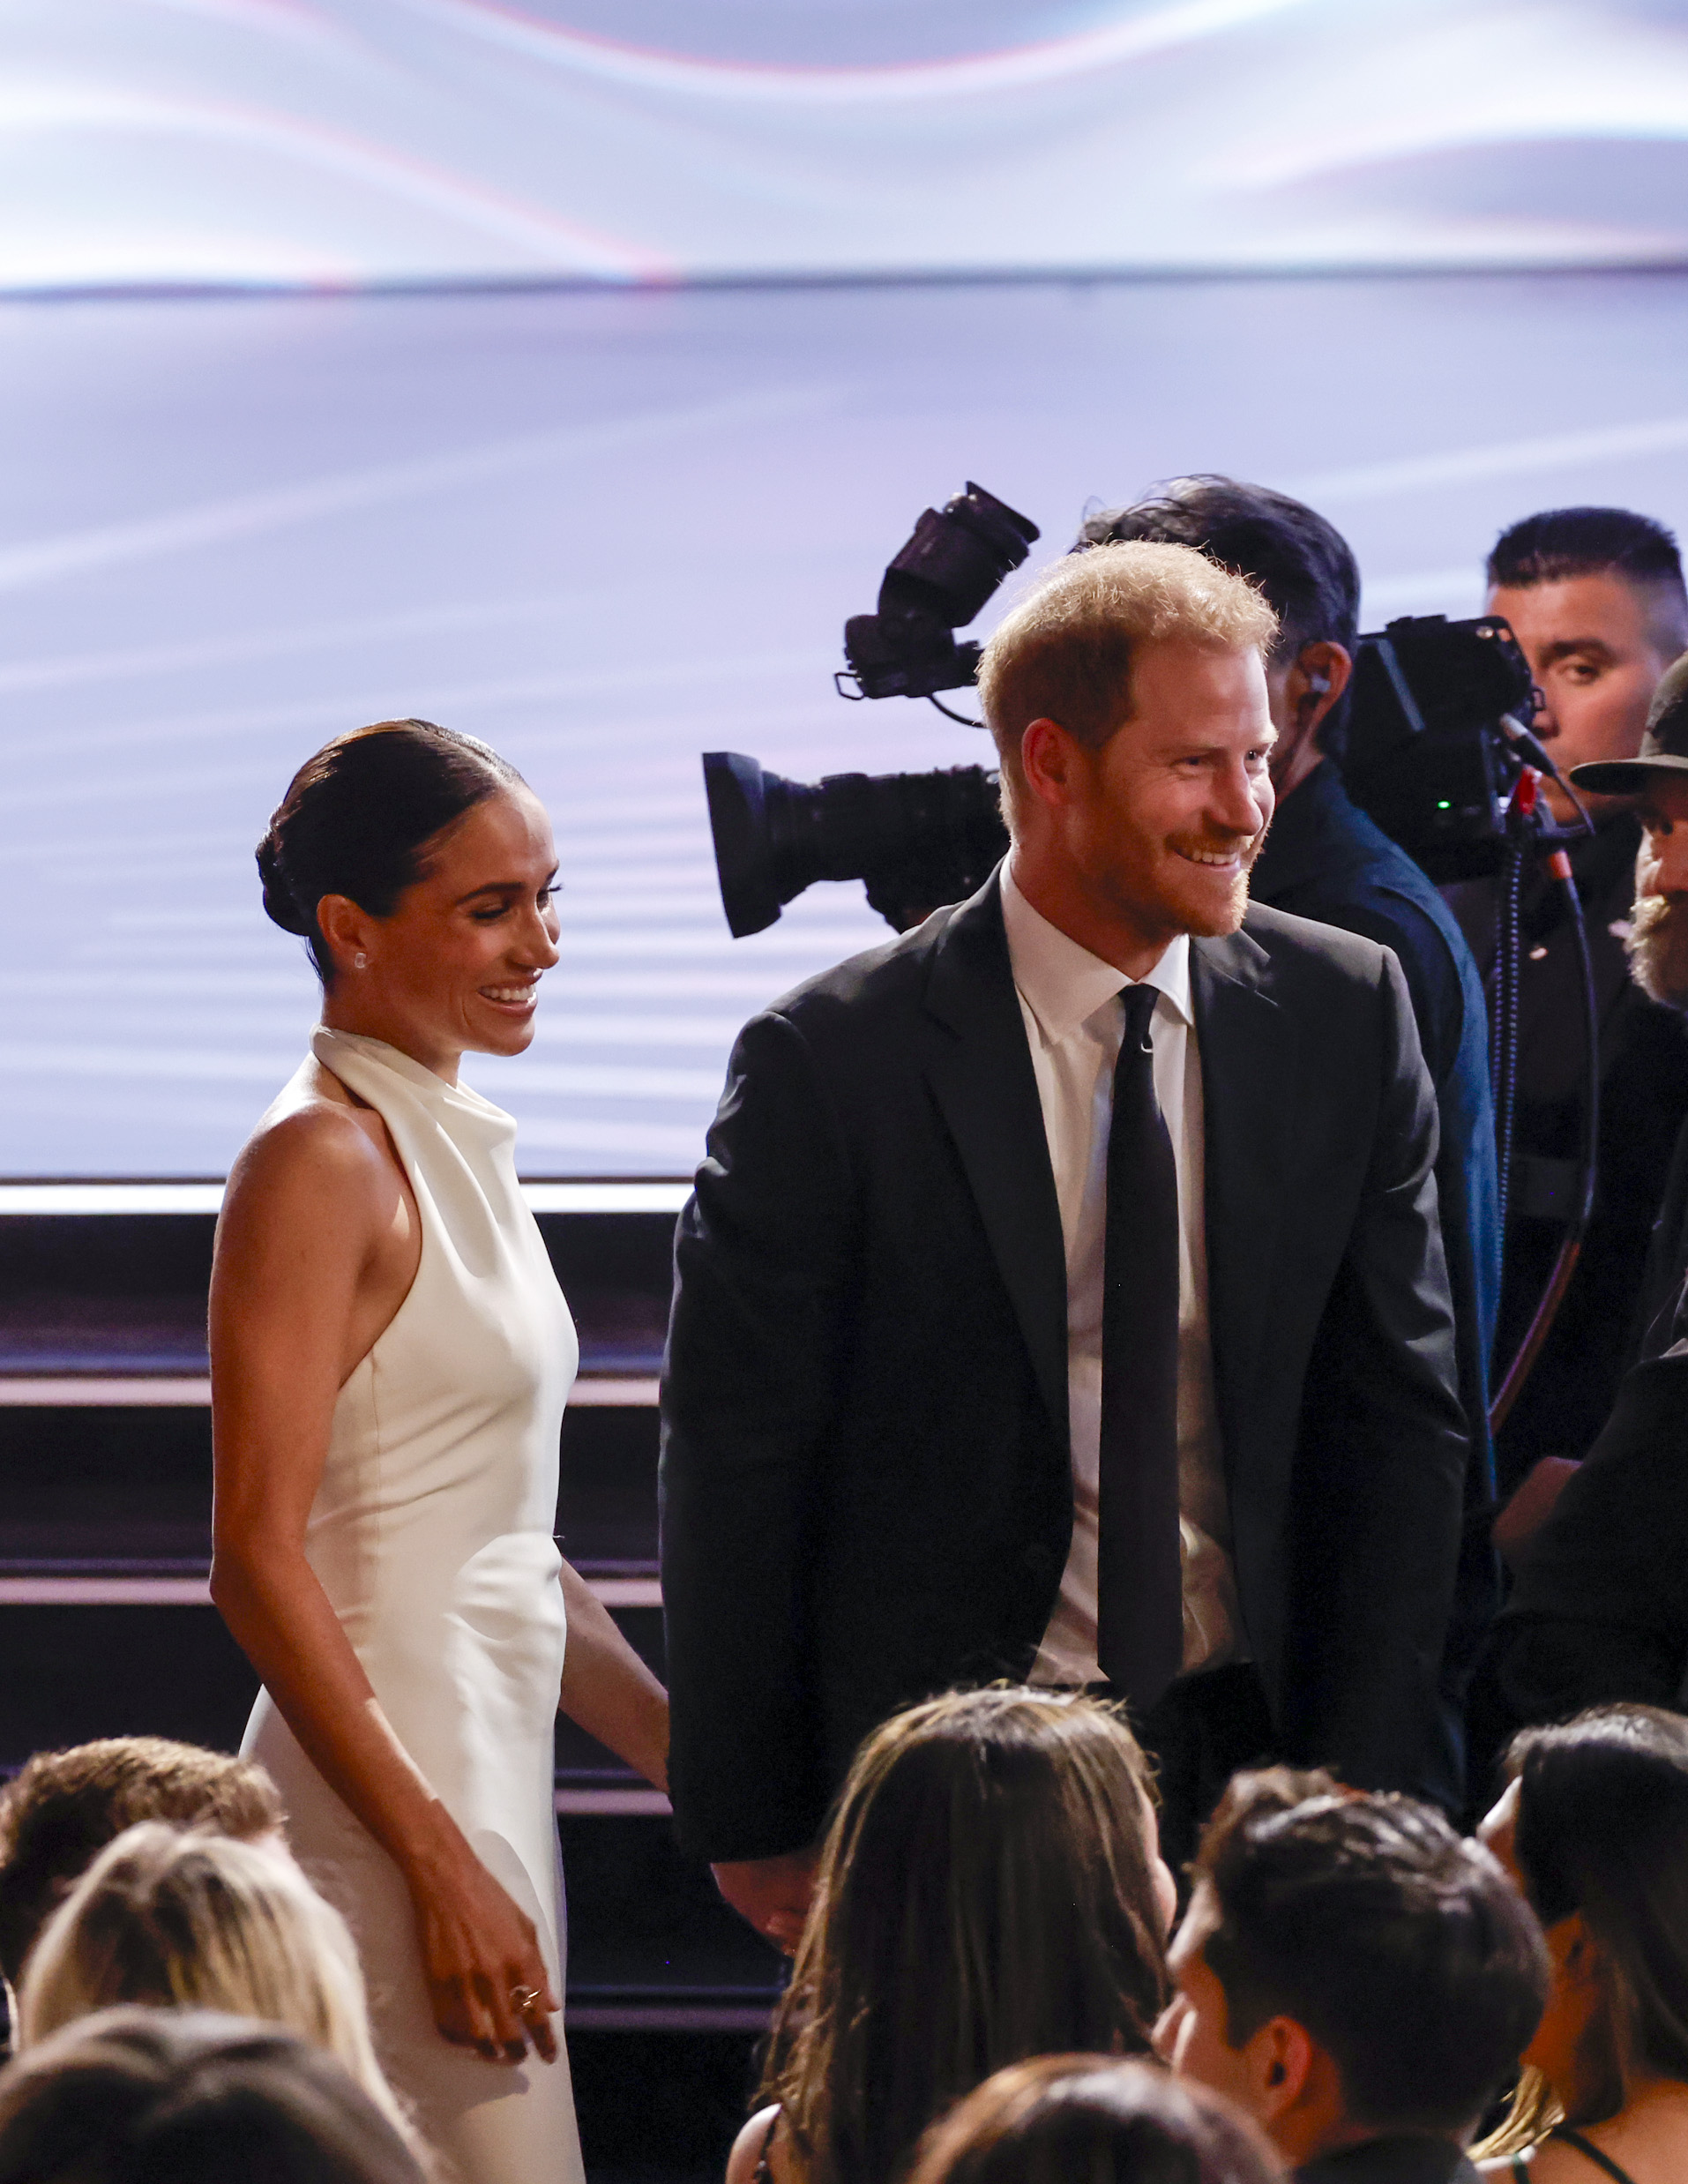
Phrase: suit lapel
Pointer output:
(1248, 1071)
(979, 1066)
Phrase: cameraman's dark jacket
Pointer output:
(1600, 1611)
(1326, 860)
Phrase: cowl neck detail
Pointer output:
(448, 1101)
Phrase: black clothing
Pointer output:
(1201, 1731)
(1140, 1584)
(1325, 860)
(1600, 1609)
(1643, 1104)
(1405, 2159)
(866, 1476)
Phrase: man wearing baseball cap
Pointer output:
(1600, 1611)
(1658, 775)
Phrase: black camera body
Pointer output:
(940, 581)
(1437, 736)
(1434, 725)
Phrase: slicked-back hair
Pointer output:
(1064, 652)
(1561, 543)
(1400, 1947)
(1094, 2120)
(1301, 565)
(62, 1809)
(358, 816)
(985, 1894)
(1602, 1829)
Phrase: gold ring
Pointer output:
(524, 1998)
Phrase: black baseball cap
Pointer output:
(1665, 743)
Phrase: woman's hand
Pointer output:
(487, 1980)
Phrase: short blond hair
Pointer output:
(1064, 652)
(184, 1920)
(62, 1809)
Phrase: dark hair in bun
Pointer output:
(358, 817)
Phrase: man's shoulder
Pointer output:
(880, 985)
(1298, 948)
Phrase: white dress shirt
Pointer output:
(1074, 1021)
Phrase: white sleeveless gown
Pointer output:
(432, 1535)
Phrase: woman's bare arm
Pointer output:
(313, 1244)
(608, 1689)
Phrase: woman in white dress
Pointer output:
(391, 1357)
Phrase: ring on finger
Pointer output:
(525, 1998)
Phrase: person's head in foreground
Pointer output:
(1306, 571)
(1595, 598)
(1094, 2120)
(1595, 1826)
(186, 2097)
(990, 1888)
(1126, 694)
(1657, 778)
(62, 1809)
(1349, 1967)
(420, 869)
(197, 1921)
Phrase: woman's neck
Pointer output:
(365, 1019)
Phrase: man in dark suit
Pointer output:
(1326, 860)
(1600, 1611)
(1062, 1295)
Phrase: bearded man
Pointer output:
(1600, 1611)
(1062, 1297)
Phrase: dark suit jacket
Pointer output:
(866, 1476)
(1325, 860)
(1600, 1609)
(1406, 2158)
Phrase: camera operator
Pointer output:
(1600, 1612)
(1326, 860)
(1595, 599)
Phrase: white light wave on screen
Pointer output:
(1019, 68)
(212, 522)
(44, 107)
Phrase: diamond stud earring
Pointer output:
(360, 961)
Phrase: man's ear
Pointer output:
(1280, 2059)
(1321, 673)
(1048, 758)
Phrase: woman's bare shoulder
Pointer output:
(749, 2147)
(315, 1142)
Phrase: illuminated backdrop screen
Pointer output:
(612, 527)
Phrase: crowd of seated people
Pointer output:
(994, 1985)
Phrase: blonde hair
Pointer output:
(62, 1809)
(198, 1921)
(985, 1894)
(1065, 651)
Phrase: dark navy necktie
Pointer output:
(1140, 1620)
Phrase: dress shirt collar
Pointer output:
(1062, 983)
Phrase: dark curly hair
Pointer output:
(358, 817)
